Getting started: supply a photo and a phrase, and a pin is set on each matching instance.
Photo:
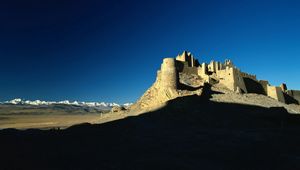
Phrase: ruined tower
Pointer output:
(169, 74)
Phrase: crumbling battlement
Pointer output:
(246, 75)
(188, 58)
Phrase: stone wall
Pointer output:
(213, 67)
(295, 94)
(189, 58)
(264, 84)
(246, 75)
(184, 68)
(231, 78)
(253, 86)
(239, 81)
(276, 93)
(202, 72)
(169, 74)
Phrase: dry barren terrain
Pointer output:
(24, 117)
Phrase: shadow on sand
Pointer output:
(189, 133)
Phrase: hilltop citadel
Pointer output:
(184, 75)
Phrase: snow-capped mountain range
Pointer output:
(65, 102)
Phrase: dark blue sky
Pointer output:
(110, 50)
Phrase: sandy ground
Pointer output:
(56, 121)
(44, 121)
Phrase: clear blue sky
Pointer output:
(110, 50)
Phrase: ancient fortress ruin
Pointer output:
(184, 75)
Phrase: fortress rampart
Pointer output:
(184, 76)
(295, 94)
(246, 75)
(276, 93)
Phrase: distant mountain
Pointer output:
(103, 105)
